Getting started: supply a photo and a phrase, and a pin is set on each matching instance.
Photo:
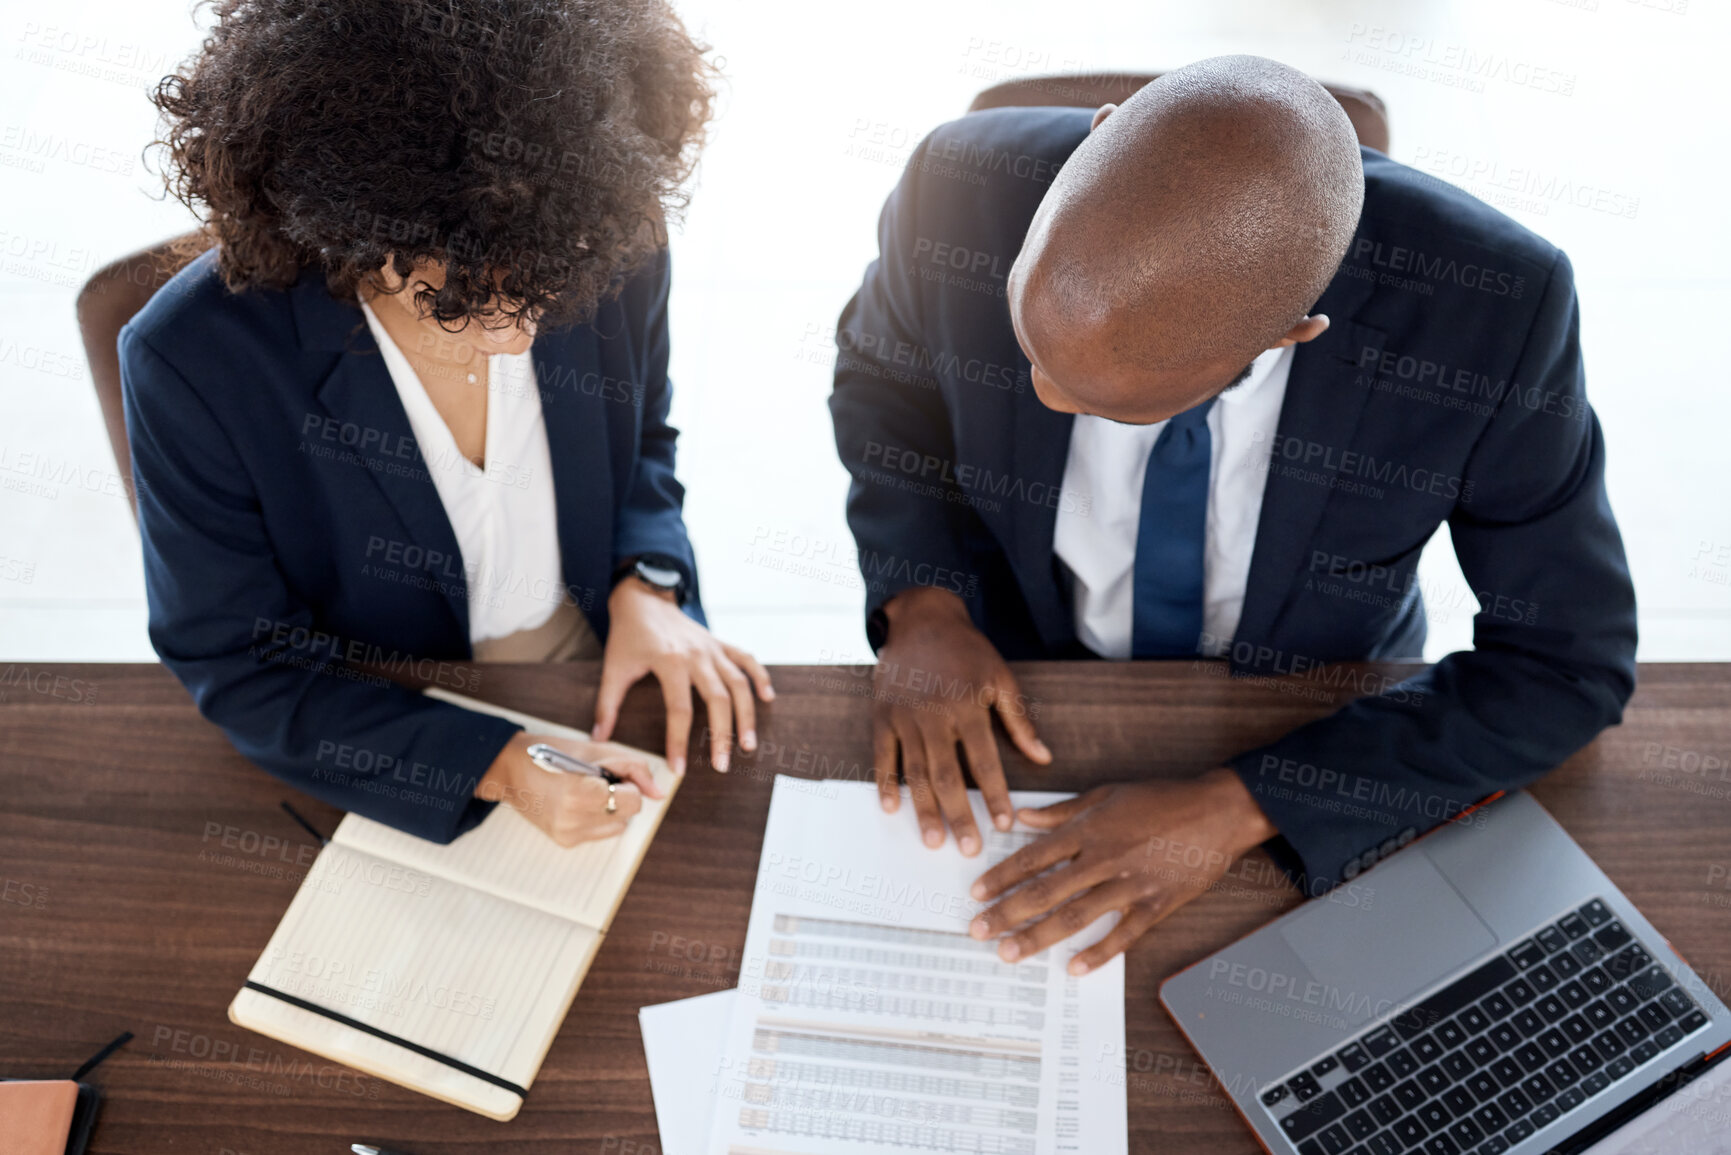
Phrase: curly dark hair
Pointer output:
(535, 147)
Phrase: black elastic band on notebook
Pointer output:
(92, 1061)
(427, 1052)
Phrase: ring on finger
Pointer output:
(612, 798)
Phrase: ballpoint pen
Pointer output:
(554, 759)
(363, 1149)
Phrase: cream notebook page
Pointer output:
(473, 950)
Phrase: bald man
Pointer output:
(1199, 375)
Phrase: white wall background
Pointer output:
(821, 104)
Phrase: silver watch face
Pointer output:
(660, 576)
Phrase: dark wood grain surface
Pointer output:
(144, 864)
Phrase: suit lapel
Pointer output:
(1318, 419)
(1040, 447)
(583, 482)
(358, 393)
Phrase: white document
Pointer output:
(868, 1022)
(1692, 1119)
(682, 1041)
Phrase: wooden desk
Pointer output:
(121, 907)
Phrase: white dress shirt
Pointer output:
(504, 516)
(1096, 533)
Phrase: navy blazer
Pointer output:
(292, 532)
(1448, 388)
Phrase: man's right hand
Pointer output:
(937, 682)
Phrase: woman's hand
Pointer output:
(569, 808)
(649, 634)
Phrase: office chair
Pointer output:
(1364, 108)
(111, 297)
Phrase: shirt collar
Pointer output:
(1261, 372)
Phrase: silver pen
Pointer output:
(363, 1149)
(554, 759)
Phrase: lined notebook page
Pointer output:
(509, 856)
(471, 976)
(473, 950)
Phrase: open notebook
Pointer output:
(446, 969)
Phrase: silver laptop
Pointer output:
(1485, 991)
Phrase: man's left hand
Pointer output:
(1143, 849)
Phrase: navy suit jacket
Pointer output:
(1447, 388)
(292, 531)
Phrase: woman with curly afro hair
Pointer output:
(409, 411)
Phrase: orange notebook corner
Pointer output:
(36, 1115)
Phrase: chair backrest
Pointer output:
(1364, 108)
(111, 297)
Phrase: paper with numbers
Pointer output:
(868, 1022)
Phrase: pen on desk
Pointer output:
(305, 825)
(552, 758)
(363, 1149)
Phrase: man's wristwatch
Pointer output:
(655, 572)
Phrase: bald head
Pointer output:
(1192, 230)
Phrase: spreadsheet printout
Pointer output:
(868, 1022)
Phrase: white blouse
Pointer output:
(504, 516)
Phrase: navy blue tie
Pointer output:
(1169, 540)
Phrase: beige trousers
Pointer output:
(564, 637)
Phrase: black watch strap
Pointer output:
(662, 573)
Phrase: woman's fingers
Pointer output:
(627, 800)
(676, 694)
(720, 706)
(753, 669)
(634, 771)
(616, 678)
(744, 705)
(580, 811)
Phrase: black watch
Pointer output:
(655, 572)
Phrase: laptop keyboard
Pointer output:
(1500, 1053)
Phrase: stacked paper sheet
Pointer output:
(868, 1022)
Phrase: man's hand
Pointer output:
(650, 634)
(569, 808)
(960, 679)
(1142, 849)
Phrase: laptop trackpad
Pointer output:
(1408, 929)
